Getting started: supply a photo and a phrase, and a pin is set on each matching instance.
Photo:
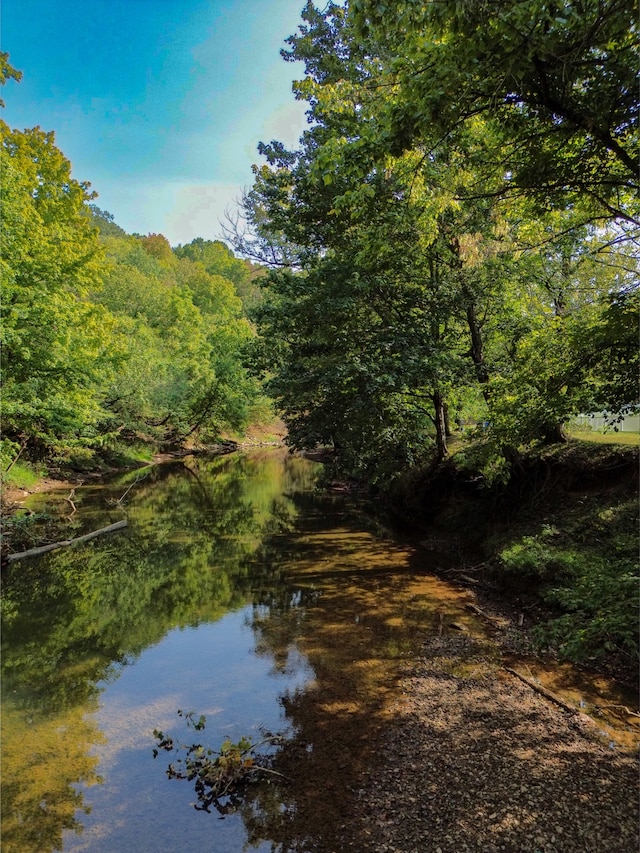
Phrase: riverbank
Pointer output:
(411, 734)
(555, 546)
(20, 530)
(470, 758)
(14, 493)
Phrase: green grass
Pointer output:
(611, 437)
(21, 476)
(121, 455)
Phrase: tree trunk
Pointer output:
(447, 423)
(477, 348)
(553, 434)
(439, 420)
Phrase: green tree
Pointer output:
(559, 341)
(368, 328)
(180, 333)
(7, 72)
(555, 80)
(56, 345)
(107, 336)
(218, 260)
(412, 277)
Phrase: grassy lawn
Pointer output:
(458, 442)
(630, 438)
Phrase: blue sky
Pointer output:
(160, 104)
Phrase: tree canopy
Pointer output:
(452, 245)
(109, 337)
(557, 81)
(453, 241)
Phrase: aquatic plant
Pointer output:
(221, 776)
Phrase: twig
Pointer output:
(137, 480)
(624, 708)
(16, 457)
(118, 501)
(477, 568)
(479, 612)
(74, 509)
(260, 769)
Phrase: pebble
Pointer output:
(443, 765)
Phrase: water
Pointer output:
(237, 591)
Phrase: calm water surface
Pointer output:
(238, 591)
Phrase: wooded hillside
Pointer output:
(109, 337)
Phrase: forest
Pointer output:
(454, 243)
(111, 342)
(449, 255)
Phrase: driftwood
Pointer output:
(42, 549)
(479, 612)
(551, 697)
(622, 708)
(74, 508)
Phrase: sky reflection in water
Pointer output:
(233, 587)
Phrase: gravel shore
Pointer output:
(472, 759)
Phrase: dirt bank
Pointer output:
(555, 546)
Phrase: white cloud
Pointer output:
(179, 210)
(286, 123)
(199, 211)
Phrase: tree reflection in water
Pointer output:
(73, 619)
(326, 599)
(347, 603)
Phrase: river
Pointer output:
(238, 591)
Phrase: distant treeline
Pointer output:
(109, 337)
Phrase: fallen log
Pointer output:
(551, 697)
(43, 549)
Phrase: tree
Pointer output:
(55, 342)
(105, 335)
(373, 319)
(368, 323)
(7, 72)
(410, 275)
(180, 334)
(556, 80)
(105, 222)
(218, 260)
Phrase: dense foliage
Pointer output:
(453, 249)
(453, 242)
(110, 338)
